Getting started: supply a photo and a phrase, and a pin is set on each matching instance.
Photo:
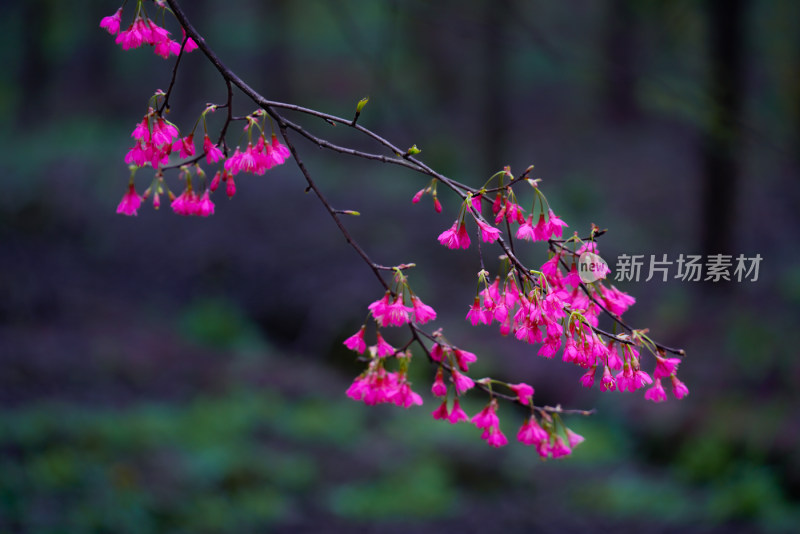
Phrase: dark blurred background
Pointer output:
(169, 374)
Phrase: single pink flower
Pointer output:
(457, 415)
(587, 380)
(496, 438)
(280, 152)
(462, 382)
(463, 236)
(477, 314)
(142, 131)
(441, 411)
(382, 348)
(665, 367)
(130, 202)
(476, 202)
(464, 358)
(205, 206)
(656, 393)
(555, 225)
(487, 418)
(230, 185)
(559, 448)
(356, 341)
(679, 389)
(111, 22)
(525, 230)
(185, 146)
(607, 383)
(437, 353)
(489, 234)
(541, 232)
(418, 196)
(437, 205)
(405, 397)
(439, 388)
(422, 312)
(213, 153)
(449, 237)
(396, 313)
(215, 181)
(524, 392)
(379, 308)
(190, 45)
(574, 439)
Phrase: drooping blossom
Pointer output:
(356, 341)
(462, 382)
(524, 392)
(111, 23)
(457, 415)
(422, 312)
(130, 202)
(679, 389)
(574, 439)
(382, 348)
(530, 433)
(656, 393)
(439, 388)
(441, 411)
(464, 358)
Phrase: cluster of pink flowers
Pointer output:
(259, 158)
(393, 312)
(190, 203)
(155, 138)
(504, 208)
(376, 385)
(143, 31)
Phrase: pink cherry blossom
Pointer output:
(441, 411)
(665, 367)
(463, 236)
(587, 380)
(130, 202)
(559, 448)
(457, 415)
(439, 388)
(382, 348)
(462, 382)
(524, 392)
(574, 439)
(422, 312)
(449, 237)
(607, 383)
(111, 22)
(437, 352)
(356, 341)
(205, 206)
(530, 433)
(213, 153)
(496, 438)
(489, 234)
(656, 393)
(679, 389)
(464, 358)
(487, 417)
(396, 313)
(555, 225)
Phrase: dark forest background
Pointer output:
(169, 374)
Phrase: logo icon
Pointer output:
(592, 268)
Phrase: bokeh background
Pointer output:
(168, 374)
